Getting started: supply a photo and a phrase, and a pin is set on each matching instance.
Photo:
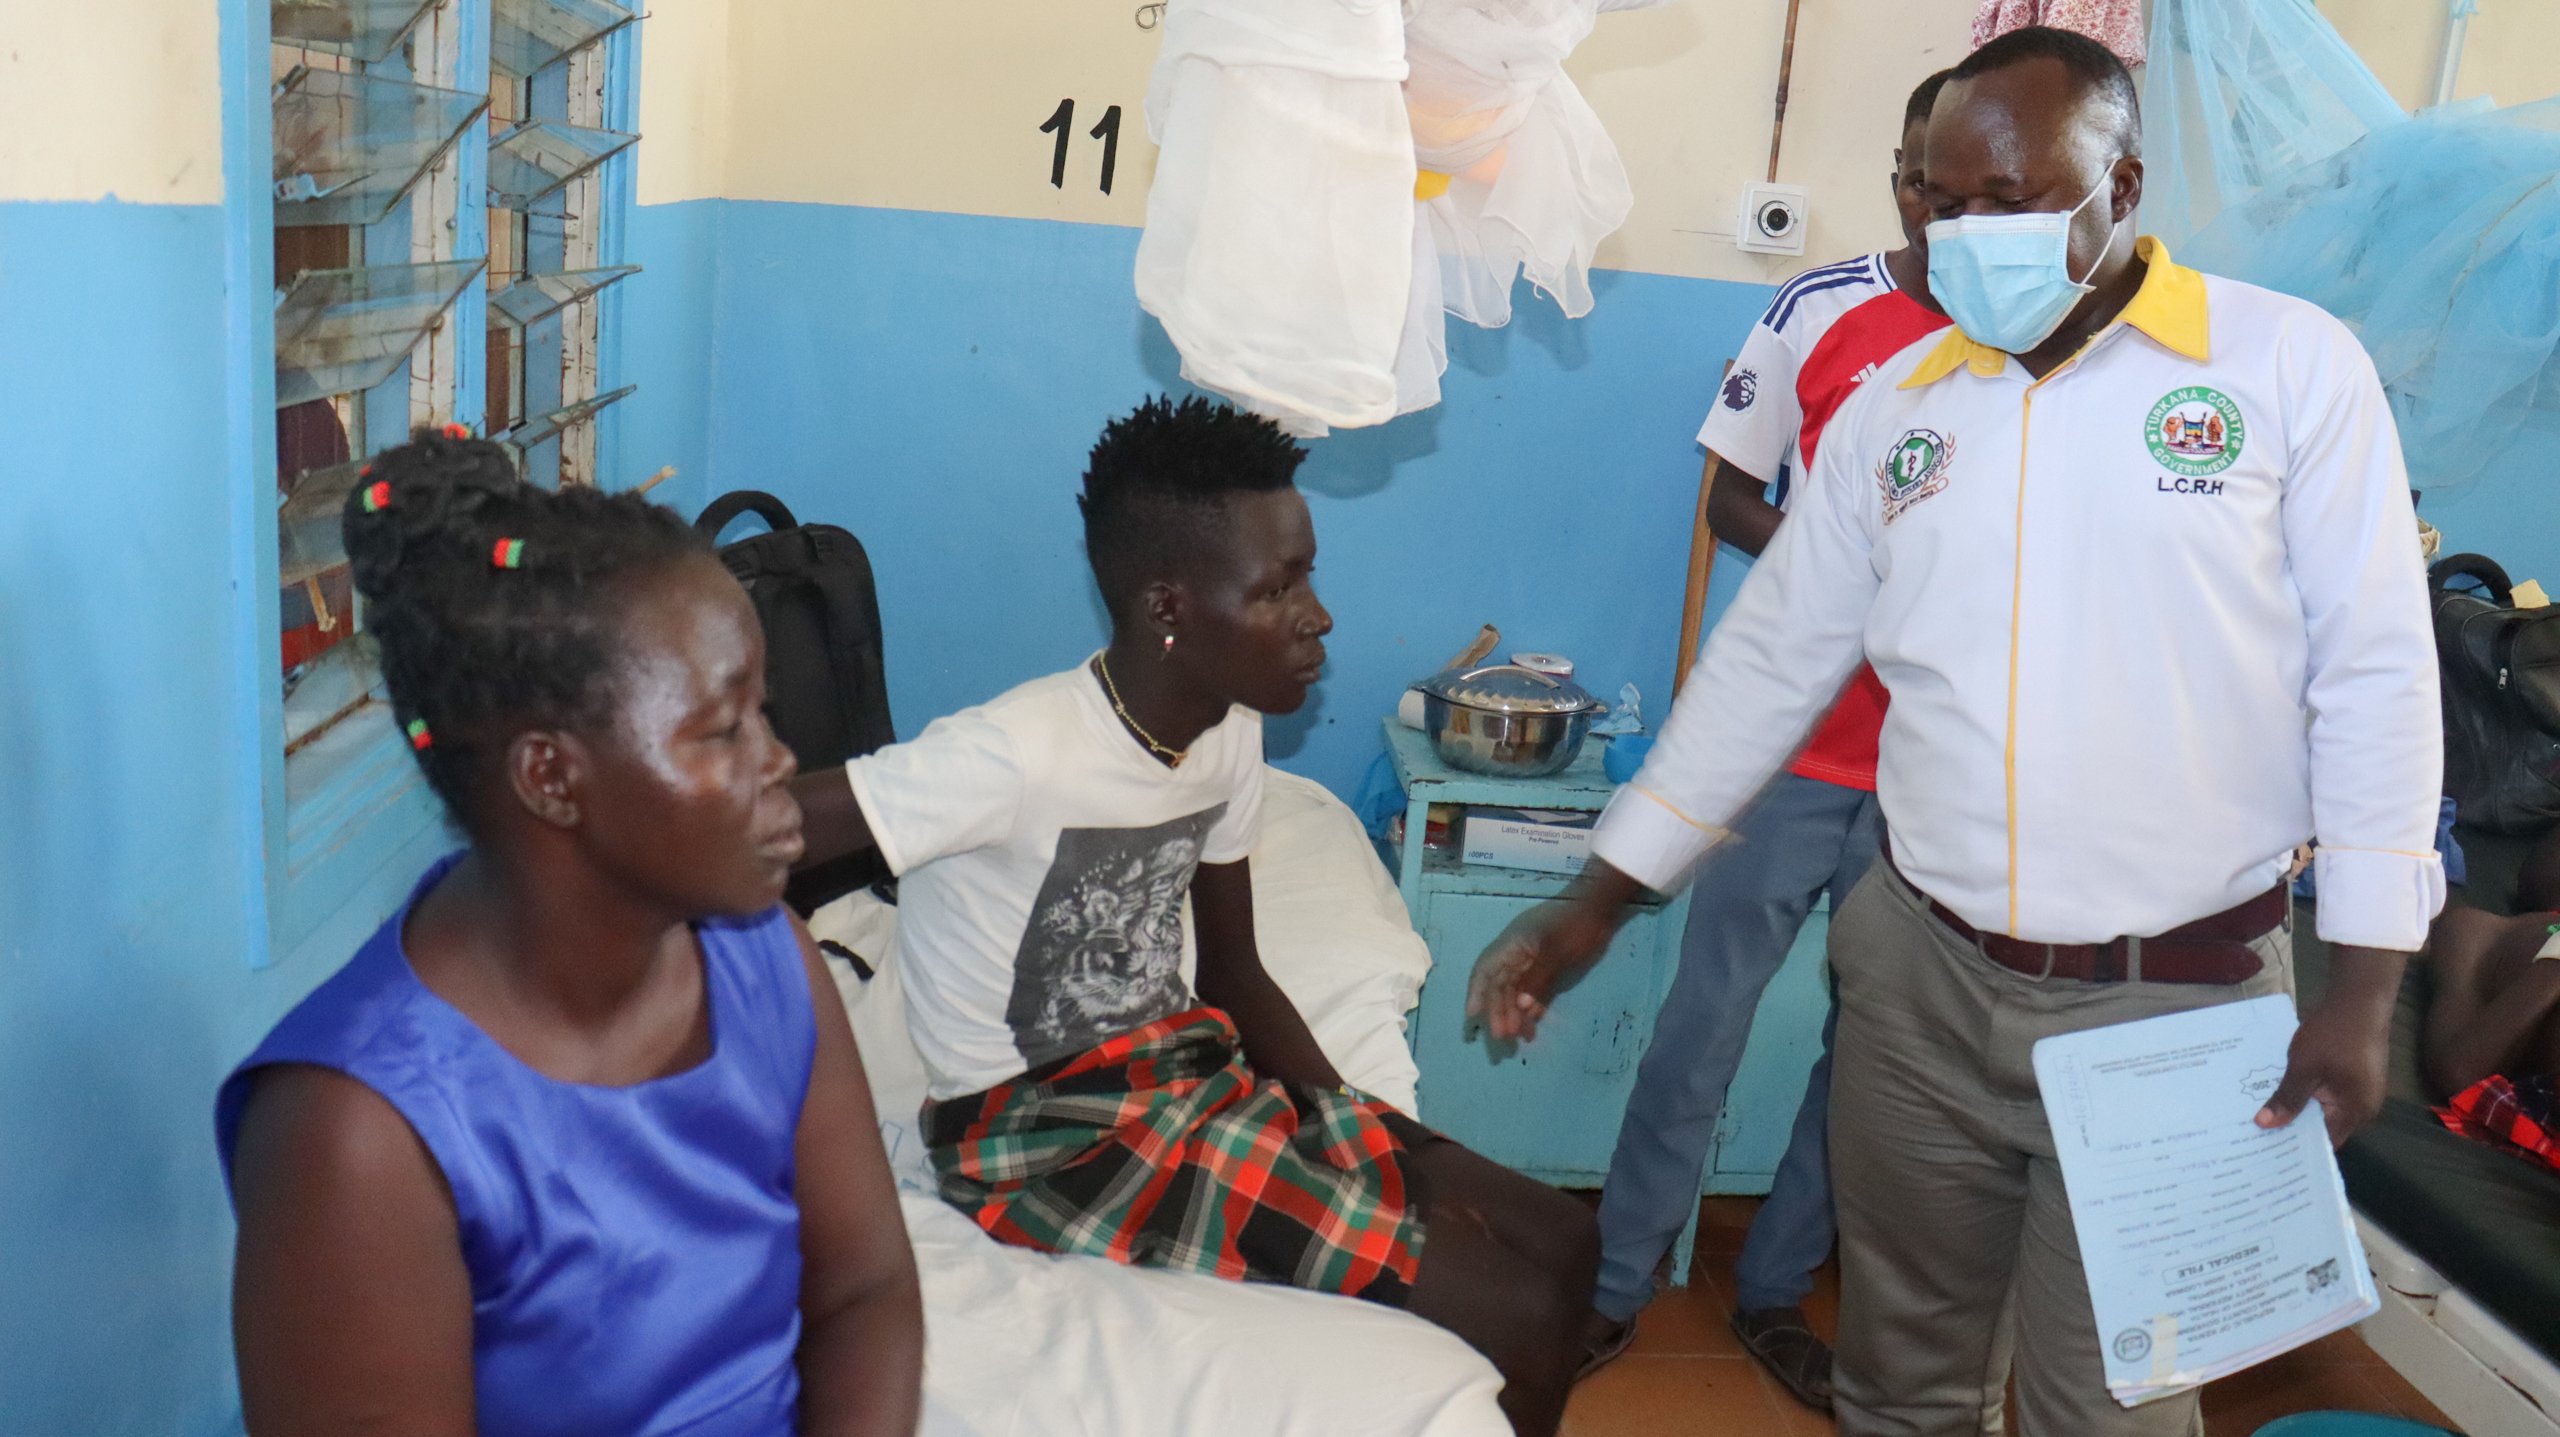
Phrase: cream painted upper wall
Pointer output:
(1856, 64)
(684, 101)
(2511, 54)
(894, 103)
(1686, 96)
(917, 104)
(905, 104)
(117, 98)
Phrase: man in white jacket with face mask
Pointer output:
(2129, 548)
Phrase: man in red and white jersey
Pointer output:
(1814, 831)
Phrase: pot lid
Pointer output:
(1509, 688)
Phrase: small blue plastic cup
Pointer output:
(1626, 755)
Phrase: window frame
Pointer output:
(339, 809)
(616, 198)
(549, 347)
(340, 826)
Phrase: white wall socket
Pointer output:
(1773, 219)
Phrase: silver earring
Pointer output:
(1168, 647)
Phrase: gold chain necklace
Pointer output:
(1172, 757)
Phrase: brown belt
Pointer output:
(2210, 950)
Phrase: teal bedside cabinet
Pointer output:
(1551, 1108)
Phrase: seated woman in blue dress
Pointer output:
(579, 1141)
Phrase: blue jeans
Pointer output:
(1800, 838)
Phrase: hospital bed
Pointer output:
(2464, 1239)
(1023, 1344)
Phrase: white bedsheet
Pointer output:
(1022, 1344)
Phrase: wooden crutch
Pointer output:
(1702, 564)
(1702, 539)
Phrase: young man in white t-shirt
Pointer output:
(1083, 1098)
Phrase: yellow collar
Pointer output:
(2170, 307)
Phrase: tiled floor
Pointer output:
(1687, 1374)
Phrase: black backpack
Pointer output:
(2501, 670)
(826, 691)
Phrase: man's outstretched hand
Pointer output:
(1518, 974)
(2340, 1053)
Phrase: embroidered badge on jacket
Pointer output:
(2195, 432)
(1914, 469)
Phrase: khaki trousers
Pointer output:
(1950, 1198)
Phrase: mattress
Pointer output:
(1024, 1344)
(2487, 1220)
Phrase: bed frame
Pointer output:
(2491, 1382)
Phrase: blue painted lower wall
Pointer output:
(932, 382)
(665, 316)
(129, 794)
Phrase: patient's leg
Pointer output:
(2494, 1008)
(1507, 1264)
(1546, 1225)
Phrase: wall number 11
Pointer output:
(1062, 121)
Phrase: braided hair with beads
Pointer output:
(492, 599)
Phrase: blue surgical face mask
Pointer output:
(2006, 279)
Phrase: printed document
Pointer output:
(2211, 1244)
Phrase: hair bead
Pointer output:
(464, 648)
(457, 431)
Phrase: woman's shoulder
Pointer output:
(764, 947)
(361, 1025)
(325, 1126)
(759, 957)
(350, 1014)
(379, 970)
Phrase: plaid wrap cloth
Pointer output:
(1160, 1148)
(2523, 1115)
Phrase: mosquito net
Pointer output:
(2272, 155)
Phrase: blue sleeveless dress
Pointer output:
(634, 1252)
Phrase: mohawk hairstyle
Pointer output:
(480, 640)
(1157, 481)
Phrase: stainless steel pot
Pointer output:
(1506, 720)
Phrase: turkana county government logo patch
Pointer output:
(1913, 469)
(2195, 432)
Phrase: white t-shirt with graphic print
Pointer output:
(1043, 857)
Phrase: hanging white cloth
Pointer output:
(1534, 183)
(1422, 355)
(1289, 252)
(1520, 178)
(1277, 252)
